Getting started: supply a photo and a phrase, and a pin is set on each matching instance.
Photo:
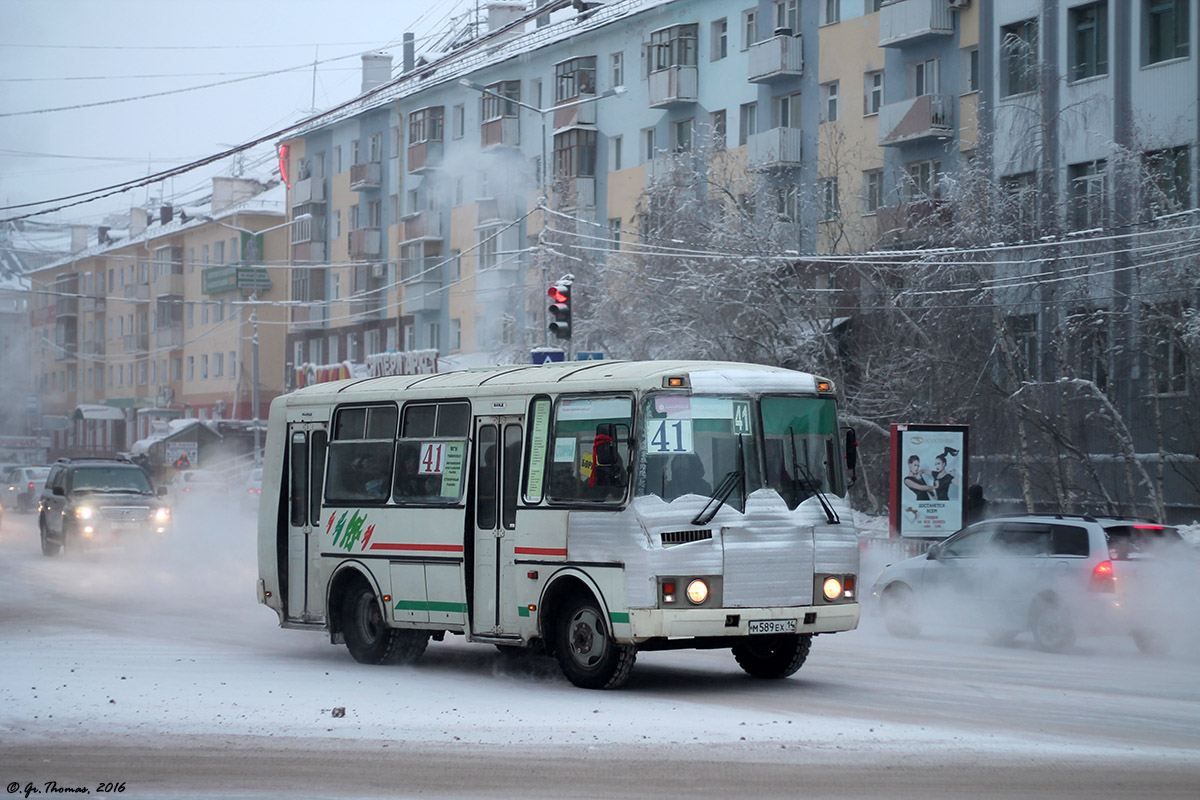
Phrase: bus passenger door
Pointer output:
(306, 472)
(498, 451)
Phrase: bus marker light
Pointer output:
(532, 574)
(675, 383)
(387, 598)
(532, 607)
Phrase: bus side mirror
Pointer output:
(852, 454)
(606, 444)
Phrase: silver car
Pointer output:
(1056, 576)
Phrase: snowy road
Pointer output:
(158, 669)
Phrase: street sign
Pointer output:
(592, 356)
(542, 355)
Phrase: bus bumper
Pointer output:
(652, 623)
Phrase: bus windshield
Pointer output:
(801, 447)
(692, 444)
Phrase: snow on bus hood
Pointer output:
(762, 553)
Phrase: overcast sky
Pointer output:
(56, 53)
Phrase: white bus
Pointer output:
(590, 509)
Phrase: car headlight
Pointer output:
(162, 514)
(84, 512)
(697, 591)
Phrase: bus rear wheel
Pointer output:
(588, 655)
(369, 638)
(774, 656)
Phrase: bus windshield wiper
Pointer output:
(831, 515)
(732, 480)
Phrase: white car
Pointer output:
(1057, 576)
(193, 486)
(252, 491)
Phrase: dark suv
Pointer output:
(1057, 576)
(98, 500)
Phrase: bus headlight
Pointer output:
(832, 588)
(697, 591)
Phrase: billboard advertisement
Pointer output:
(929, 479)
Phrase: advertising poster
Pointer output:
(929, 479)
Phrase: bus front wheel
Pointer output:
(369, 638)
(586, 652)
(773, 656)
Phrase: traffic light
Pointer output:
(560, 308)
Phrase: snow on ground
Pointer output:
(170, 640)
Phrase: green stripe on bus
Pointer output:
(523, 611)
(423, 605)
(619, 616)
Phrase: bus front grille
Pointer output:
(683, 537)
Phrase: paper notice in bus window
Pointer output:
(453, 469)
(433, 458)
(538, 443)
(564, 449)
(669, 436)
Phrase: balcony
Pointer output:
(137, 342)
(92, 348)
(423, 225)
(582, 113)
(171, 336)
(93, 304)
(502, 132)
(66, 352)
(421, 279)
(930, 116)
(66, 307)
(778, 148)
(365, 176)
(308, 253)
(575, 193)
(499, 209)
(137, 292)
(424, 156)
(169, 284)
(309, 190)
(777, 58)
(365, 243)
(673, 86)
(905, 22)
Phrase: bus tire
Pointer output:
(369, 638)
(587, 653)
(776, 656)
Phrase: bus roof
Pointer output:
(704, 377)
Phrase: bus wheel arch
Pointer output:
(362, 620)
(577, 629)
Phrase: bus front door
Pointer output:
(306, 472)
(497, 467)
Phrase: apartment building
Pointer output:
(154, 322)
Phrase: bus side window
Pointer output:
(512, 474)
(299, 479)
(319, 441)
(488, 474)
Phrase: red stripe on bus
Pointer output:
(449, 548)
(541, 551)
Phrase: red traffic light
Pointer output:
(557, 295)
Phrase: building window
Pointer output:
(337, 159)
(375, 214)
(1170, 174)
(1167, 350)
(204, 367)
(1087, 48)
(873, 93)
(614, 233)
(923, 180)
(615, 143)
(829, 98)
(649, 151)
(435, 335)
(673, 47)
(337, 223)
(355, 155)
(375, 148)
(458, 121)
(1021, 201)
(1088, 345)
(574, 78)
(425, 125)
(575, 154)
(927, 77)
(787, 16)
(488, 249)
(749, 27)
(232, 365)
(1023, 331)
(456, 334)
(505, 105)
(831, 12)
(720, 39)
(681, 135)
(219, 253)
(970, 64)
(747, 122)
(788, 202)
(787, 111)
(872, 190)
(718, 129)
(616, 63)
(830, 205)
(1165, 30)
(1018, 58)
(218, 365)
(1088, 194)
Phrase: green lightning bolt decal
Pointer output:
(354, 530)
(337, 531)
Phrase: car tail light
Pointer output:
(31, 486)
(1103, 579)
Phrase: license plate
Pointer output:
(772, 626)
(126, 526)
